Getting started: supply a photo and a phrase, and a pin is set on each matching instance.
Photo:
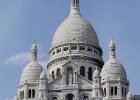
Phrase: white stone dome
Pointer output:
(113, 70)
(31, 72)
(75, 29)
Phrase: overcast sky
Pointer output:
(23, 21)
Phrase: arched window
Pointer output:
(69, 75)
(58, 72)
(90, 73)
(73, 47)
(89, 49)
(53, 76)
(125, 92)
(33, 93)
(85, 98)
(105, 92)
(54, 98)
(81, 48)
(116, 91)
(70, 97)
(42, 96)
(96, 94)
(82, 71)
(111, 91)
(58, 50)
(29, 93)
(122, 91)
(65, 48)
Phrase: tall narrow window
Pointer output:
(73, 47)
(116, 90)
(111, 91)
(104, 91)
(29, 93)
(65, 48)
(90, 73)
(125, 92)
(81, 48)
(89, 49)
(82, 71)
(96, 94)
(42, 96)
(33, 93)
(58, 72)
(122, 91)
(53, 76)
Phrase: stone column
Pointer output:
(75, 78)
(107, 89)
(25, 92)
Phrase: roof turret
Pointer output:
(96, 73)
(113, 69)
(43, 75)
(33, 70)
(129, 96)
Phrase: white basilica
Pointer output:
(75, 70)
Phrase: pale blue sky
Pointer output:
(22, 21)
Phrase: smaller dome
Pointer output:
(113, 69)
(96, 73)
(33, 70)
(129, 95)
(43, 75)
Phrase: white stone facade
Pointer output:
(75, 70)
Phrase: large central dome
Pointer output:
(75, 29)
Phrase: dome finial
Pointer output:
(75, 7)
(112, 49)
(34, 51)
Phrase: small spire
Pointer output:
(112, 49)
(75, 7)
(129, 96)
(34, 51)
(96, 73)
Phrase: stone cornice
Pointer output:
(93, 60)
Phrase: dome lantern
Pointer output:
(34, 52)
(75, 7)
(112, 50)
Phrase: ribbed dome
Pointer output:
(33, 70)
(75, 29)
(113, 69)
